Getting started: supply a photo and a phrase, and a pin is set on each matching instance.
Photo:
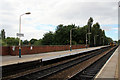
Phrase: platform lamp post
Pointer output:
(71, 38)
(95, 40)
(103, 40)
(20, 34)
(86, 38)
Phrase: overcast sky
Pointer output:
(47, 14)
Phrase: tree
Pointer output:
(37, 43)
(107, 40)
(3, 34)
(2, 43)
(48, 38)
(0, 36)
(62, 34)
(96, 32)
(12, 41)
(25, 42)
(32, 41)
(90, 22)
(80, 34)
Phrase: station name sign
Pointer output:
(20, 34)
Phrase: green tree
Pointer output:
(48, 38)
(25, 42)
(62, 34)
(3, 34)
(80, 35)
(32, 41)
(37, 43)
(89, 24)
(107, 40)
(96, 33)
(2, 43)
(11, 41)
(0, 36)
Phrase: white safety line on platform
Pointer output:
(59, 56)
(105, 65)
(8, 60)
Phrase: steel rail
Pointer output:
(52, 70)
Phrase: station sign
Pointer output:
(20, 34)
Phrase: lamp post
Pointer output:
(86, 38)
(19, 34)
(103, 40)
(71, 39)
(95, 40)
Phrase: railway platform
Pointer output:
(110, 71)
(9, 60)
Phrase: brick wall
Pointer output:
(5, 50)
(37, 49)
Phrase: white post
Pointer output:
(20, 33)
(94, 41)
(86, 40)
(19, 38)
(71, 40)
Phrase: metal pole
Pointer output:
(100, 41)
(89, 39)
(19, 38)
(71, 40)
(103, 41)
(89, 36)
(94, 41)
(20, 33)
(86, 40)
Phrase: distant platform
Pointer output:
(110, 70)
(8, 60)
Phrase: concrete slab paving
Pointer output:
(110, 69)
(7, 60)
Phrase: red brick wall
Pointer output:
(37, 49)
(5, 50)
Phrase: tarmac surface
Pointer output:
(7, 60)
(110, 70)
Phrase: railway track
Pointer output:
(90, 72)
(56, 68)
(10, 71)
(74, 70)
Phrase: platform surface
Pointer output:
(110, 70)
(7, 60)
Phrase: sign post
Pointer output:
(20, 35)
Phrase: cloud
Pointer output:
(115, 28)
(107, 28)
(32, 33)
(111, 31)
(47, 27)
(45, 13)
